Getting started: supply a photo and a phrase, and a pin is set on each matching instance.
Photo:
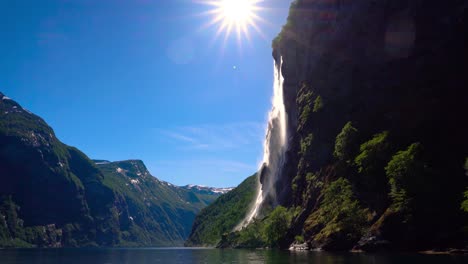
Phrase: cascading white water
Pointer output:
(274, 150)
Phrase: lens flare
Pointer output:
(237, 12)
(235, 15)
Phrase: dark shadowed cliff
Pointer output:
(395, 72)
(376, 95)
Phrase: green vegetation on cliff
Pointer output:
(223, 215)
(266, 232)
(406, 175)
(346, 143)
(340, 217)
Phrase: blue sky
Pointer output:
(143, 79)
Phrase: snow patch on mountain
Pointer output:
(103, 162)
(203, 188)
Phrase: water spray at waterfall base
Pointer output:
(274, 150)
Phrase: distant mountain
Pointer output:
(207, 190)
(162, 211)
(100, 161)
(53, 195)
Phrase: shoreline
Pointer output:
(452, 251)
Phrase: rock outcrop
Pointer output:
(395, 67)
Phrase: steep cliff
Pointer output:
(376, 98)
(53, 195)
(44, 183)
(375, 94)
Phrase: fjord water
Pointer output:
(208, 255)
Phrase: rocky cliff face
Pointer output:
(53, 195)
(42, 178)
(390, 78)
(152, 212)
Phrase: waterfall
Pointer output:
(274, 149)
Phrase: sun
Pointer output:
(235, 16)
(236, 12)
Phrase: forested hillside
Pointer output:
(223, 215)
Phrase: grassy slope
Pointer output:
(223, 215)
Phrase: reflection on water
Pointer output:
(204, 255)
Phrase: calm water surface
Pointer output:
(204, 255)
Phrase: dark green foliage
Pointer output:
(306, 152)
(371, 181)
(13, 233)
(251, 236)
(313, 181)
(339, 213)
(304, 101)
(266, 232)
(9, 222)
(305, 115)
(223, 215)
(373, 154)
(305, 96)
(346, 143)
(305, 145)
(299, 239)
(318, 104)
(405, 173)
(276, 225)
(10, 211)
(464, 205)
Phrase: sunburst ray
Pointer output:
(233, 16)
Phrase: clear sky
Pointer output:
(144, 79)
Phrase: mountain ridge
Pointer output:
(53, 195)
(203, 188)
